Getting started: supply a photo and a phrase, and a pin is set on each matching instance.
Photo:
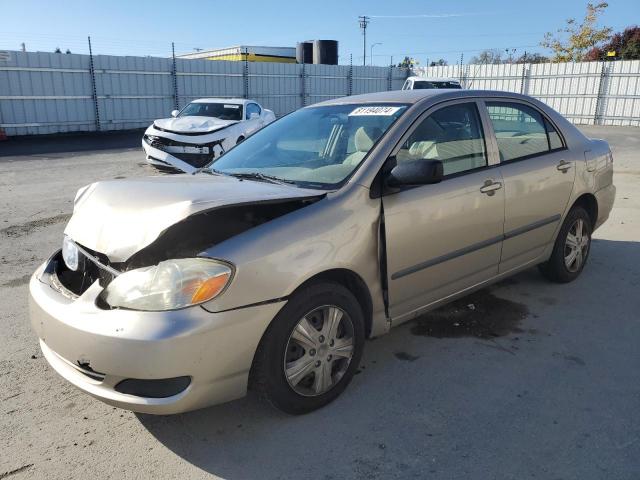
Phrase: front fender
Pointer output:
(273, 259)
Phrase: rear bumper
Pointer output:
(605, 198)
(78, 339)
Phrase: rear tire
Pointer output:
(571, 249)
(311, 350)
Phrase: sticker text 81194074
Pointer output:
(374, 110)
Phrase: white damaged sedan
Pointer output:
(201, 132)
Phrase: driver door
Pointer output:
(445, 237)
(254, 120)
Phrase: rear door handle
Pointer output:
(490, 187)
(563, 166)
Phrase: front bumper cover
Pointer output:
(214, 349)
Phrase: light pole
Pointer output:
(371, 51)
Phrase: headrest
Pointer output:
(365, 138)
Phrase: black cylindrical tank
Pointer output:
(304, 52)
(325, 52)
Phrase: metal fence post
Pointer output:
(523, 79)
(390, 78)
(94, 91)
(350, 76)
(245, 73)
(602, 85)
(174, 75)
(303, 85)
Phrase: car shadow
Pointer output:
(418, 398)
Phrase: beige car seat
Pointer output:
(363, 140)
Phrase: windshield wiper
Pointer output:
(210, 171)
(262, 177)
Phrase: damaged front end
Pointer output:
(168, 249)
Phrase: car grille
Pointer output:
(196, 160)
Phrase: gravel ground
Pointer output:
(524, 380)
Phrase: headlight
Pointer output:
(170, 285)
(70, 253)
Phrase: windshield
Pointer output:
(223, 111)
(317, 147)
(428, 84)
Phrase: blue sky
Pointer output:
(425, 30)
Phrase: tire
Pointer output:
(274, 373)
(558, 268)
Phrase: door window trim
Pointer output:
(545, 119)
(251, 104)
(490, 148)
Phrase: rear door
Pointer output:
(445, 237)
(538, 178)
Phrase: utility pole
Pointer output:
(23, 47)
(364, 21)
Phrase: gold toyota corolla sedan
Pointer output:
(269, 268)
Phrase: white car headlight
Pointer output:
(170, 285)
(70, 253)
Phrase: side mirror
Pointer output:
(254, 115)
(174, 113)
(415, 172)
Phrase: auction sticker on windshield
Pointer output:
(386, 111)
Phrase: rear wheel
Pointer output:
(310, 352)
(571, 249)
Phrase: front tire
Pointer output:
(311, 350)
(571, 249)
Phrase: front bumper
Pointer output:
(164, 160)
(214, 349)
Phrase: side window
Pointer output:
(554, 138)
(521, 131)
(252, 108)
(452, 135)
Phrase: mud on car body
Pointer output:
(269, 268)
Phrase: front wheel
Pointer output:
(311, 350)
(571, 249)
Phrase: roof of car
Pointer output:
(417, 96)
(434, 79)
(237, 101)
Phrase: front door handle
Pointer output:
(563, 166)
(490, 187)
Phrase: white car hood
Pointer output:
(193, 124)
(120, 217)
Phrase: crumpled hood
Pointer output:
(120, 217)
(193, 124)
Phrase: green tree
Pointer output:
(408, 62)
(439, 63)
(571, 43)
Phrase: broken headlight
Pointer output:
(170, 285)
